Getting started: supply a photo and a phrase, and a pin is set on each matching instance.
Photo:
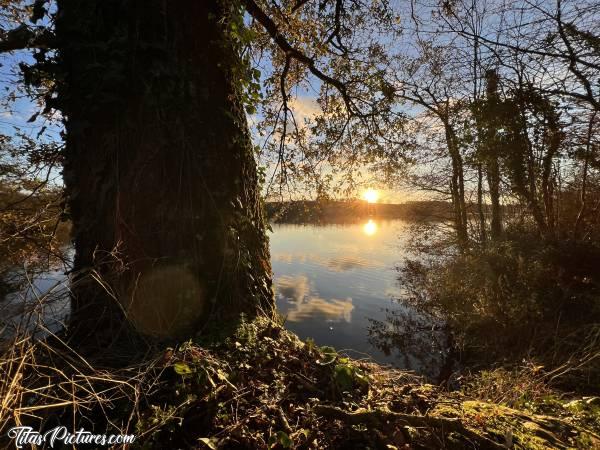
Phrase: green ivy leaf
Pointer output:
(182, 368)
(344, 377)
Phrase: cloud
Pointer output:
(283, 257)
(341, 263)
(304, 108)
(316, 307)
(294, 289)
(345, 263)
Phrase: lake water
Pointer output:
(333, 284)
(40, 307)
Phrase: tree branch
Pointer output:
(24, 38)
(573, 59)
(523, 50)
(291, 52)
(380, 418)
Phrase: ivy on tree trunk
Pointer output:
(160, 174)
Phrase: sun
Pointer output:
(371, 195)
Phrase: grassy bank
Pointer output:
(262, 387)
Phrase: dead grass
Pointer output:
(259, 388)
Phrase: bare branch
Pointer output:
(573, 59)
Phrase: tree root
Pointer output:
(379, 418)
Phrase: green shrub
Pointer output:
(518, 298)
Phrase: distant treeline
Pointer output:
(311, 211)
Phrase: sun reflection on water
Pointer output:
(370, 228)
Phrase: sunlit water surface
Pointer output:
(333, 281)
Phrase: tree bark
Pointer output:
(553, 139)
(491, 156)
(584, 176)
(493, 177)
(525, 184)
(480, 206)
(160, 173)
(457, 185)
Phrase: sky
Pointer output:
(16, 118)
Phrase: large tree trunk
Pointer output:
(159, 168)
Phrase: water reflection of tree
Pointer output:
(418, 340)
(415, 331)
